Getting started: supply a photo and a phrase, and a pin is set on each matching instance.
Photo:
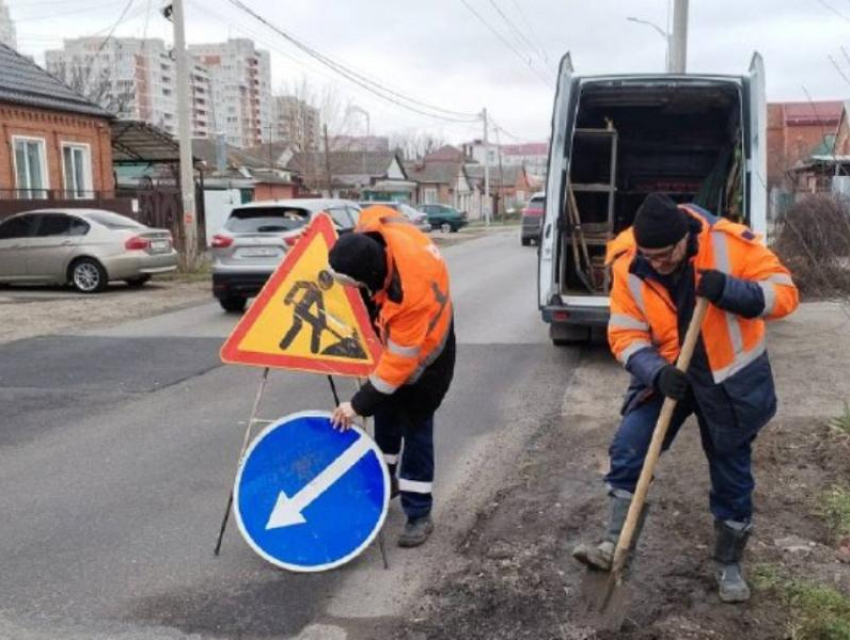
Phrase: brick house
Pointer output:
(842, 132)
(795, 132)
(55, 144)
(510, 186)
(441, 182)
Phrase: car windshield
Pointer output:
(113, 220)
(266, 219)
(537, 203)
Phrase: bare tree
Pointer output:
(415, 146)
(95, 84)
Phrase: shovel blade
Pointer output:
(604, 601)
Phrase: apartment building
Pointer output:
(7, 28)
(295, 123)
(133, 78)
(240, 77)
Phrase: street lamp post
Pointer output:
(667, 40)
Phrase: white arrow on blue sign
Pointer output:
(309, 498)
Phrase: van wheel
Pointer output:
(525, 241)
(233, 304)
(564, 335)
(88, 275)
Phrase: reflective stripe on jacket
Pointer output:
(643, 316)
(736, 394)
(415, 317)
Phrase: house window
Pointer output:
(430, 195)
(30, 168)
(76, 170)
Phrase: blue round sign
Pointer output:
(308, 497)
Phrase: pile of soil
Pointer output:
(516, 578)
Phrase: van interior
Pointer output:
(632, 138)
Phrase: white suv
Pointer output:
(256, 237)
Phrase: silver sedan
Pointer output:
(87, 248)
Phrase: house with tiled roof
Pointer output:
(441, 181)
(55, 143)
(375, 175)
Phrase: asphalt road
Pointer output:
(117, 449)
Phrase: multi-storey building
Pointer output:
(7, 28)
(133, 78)
(295, 123)
(241, 89)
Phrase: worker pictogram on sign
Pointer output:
(303, 319)
(308, 497)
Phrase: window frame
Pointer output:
(42, 142)
(87, 170)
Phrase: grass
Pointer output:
(202, 272)
(841, 424)
(835, 507)
(818, 612)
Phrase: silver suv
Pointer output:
(256, 237)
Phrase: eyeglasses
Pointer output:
(662, 256)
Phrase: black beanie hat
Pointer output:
(360, 257)
(659, 222)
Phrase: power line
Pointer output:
(68, 13)
(516, 30)
(829, 7)
(506, 43)
(839, 70)
(373, 86)
(531, 30)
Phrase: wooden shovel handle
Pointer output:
(658, 435)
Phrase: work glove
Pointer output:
(711, 285)
(672, 383)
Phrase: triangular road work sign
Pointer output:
(303, 319)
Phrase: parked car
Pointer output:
(87, 248)
(445, 218)
(532, 219)
(257, 236)
(419, 218)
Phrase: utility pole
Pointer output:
(486, 169)
(184, 135)
(679, 37)
(501, 197)
(328, 162)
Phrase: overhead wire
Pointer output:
(534, 51)
(504, 41)
(538, 41)
(351, 75)
(68, 13)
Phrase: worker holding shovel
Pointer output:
(671, 257)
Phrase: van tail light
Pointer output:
(137, 243)
(561, 316)
(220, 241)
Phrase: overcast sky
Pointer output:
(439, 52)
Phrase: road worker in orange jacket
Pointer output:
(406, 283)
(671, 255)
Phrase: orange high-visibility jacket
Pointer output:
(643, 330)
(415, 317)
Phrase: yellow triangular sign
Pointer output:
(303, 319)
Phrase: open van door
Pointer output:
(558, 163)
(757, 165)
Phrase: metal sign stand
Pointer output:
(247, 440)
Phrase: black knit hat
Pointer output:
(659, 222)
(360, 257)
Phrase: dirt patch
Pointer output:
(516, 579)
(35, 311)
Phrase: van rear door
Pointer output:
(559, 150)
(757, 164)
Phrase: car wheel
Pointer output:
(446, 227)
(136, 283)
(88, 276)
(233, 304)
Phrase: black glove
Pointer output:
(672, 383)
(711, 284)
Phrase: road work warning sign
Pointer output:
(303, 319)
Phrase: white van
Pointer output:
(698, 138)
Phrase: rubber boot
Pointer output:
(728, 550)
(601, 556)
(416, 532)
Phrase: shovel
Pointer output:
(605, 594)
